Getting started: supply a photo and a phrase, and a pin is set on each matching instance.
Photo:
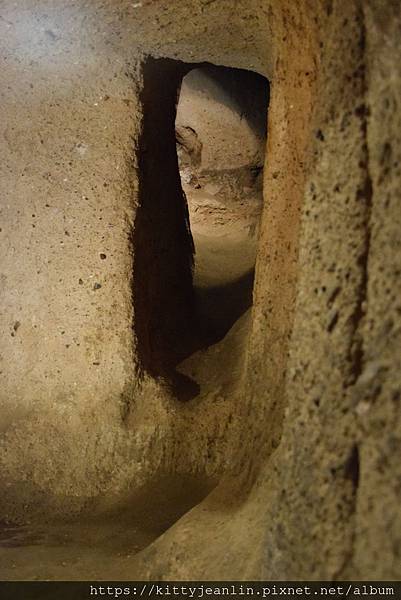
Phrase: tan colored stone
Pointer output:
(306, 482)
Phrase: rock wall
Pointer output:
(227, 109)
(305, 445)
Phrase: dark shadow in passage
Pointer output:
(219, 307)
(162, 289)
(184, 388)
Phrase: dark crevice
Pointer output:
(364, 197)
(162, 242)
(351, 473)
(357, 359)
(351, 470)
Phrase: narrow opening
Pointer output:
(201, 155)
(221, 138)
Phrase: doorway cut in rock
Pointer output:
(201, 156)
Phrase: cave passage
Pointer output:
(200, 158)
(221, 138)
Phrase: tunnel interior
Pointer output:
(201, 156)
(221, 138)
(165, 418)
